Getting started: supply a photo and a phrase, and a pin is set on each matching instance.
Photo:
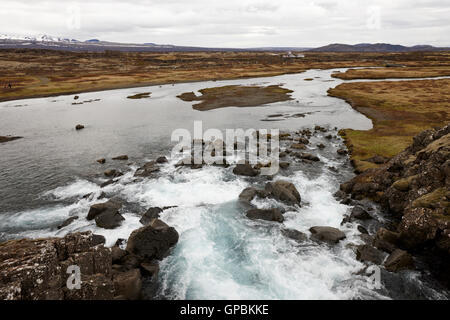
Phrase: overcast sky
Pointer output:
(233, 23)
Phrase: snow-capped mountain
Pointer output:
(36, 38)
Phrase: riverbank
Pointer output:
(394, 73)
(44, 73)
(395, 122)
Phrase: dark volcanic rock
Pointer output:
(307, 156)
(67, 222)
(399, 260)
(284, 165)
(298, 146)
(152, 241)
(122, 157)
(147, 170)
(248, 194)
(360, 214)
(283, 191)
(109, 219)
(8, 138)
(79, 127)
(107, 183)
(128, 284)
(294, 235)
(36, 269)
(113, 173)
(327, 234)
(150, 214)
(99, 208)
(245, 170)
(386, 240)
(161, 160)
(342, 152)
(265, 214)
(366, 253)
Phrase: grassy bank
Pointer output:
(386, 73)
(39, 73)
(398, 110)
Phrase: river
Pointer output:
(221, 254)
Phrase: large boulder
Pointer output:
(360, 214)
(248, 194)
(283, 191)
(294, 235)
(245, 170)
(386, 240)
(399, 260)
(265, 214)
(150, 215)
(367, 253)
(99, 208)
(327, 234)
(109, 219)
(152, 241)
(147, 170)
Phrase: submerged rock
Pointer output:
(67, 222)
(327, 234)
(294, 235)
(342, 152)
(122, 157)
(298, 146)
(147, 170)
(161, 160)
(113, 173)
(265, 214)
(360, 214)
(307, 156)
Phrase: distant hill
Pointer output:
(376, 47)
(60, 43)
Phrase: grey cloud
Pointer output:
(242, 23)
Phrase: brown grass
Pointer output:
(36, 73)
(236, 96)
(385, 73)
(399, 110)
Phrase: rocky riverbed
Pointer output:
(129, 269)
(223, 231)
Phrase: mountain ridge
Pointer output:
(63, 43)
